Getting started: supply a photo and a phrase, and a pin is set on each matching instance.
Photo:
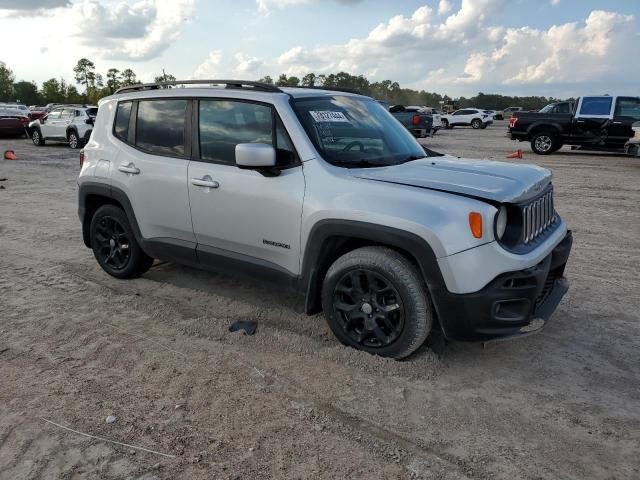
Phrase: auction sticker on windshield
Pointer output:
(326, 116)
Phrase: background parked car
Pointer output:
(598, 123)
(435, 114)
(507, 112)
(12, 122)
(416, 121)
(22, 109)
(69, 124)
(472, 117)
(38, 112)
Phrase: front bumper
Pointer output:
(513, 304)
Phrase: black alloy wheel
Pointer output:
(113, 243)
(370, 308)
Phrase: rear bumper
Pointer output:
(513, 304)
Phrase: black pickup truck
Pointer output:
(415, 120)
(602, 123)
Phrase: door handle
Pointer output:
(205, 181)
(131, 168)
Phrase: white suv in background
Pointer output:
(473, 117)
(67, 123)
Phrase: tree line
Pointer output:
(94, 85)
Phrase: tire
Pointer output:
(74, 140)
(375, 300)
(543, 143)
(114, 245)
(476, 123)
(36, 137)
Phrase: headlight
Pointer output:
(501, 222)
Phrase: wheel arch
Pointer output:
(330, 239)
(540, 127)
(93, 195)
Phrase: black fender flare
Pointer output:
(319, 247)
(112, 195)
(70, 129)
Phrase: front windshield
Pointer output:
(356, 132)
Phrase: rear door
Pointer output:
(151, 170)
(239, 213)
(626, 113)
(592, 119)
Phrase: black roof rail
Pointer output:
(331, 89)
(264, 87)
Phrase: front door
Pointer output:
(626, 113)
(48, 127)
(239, 213)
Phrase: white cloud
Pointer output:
(465, 53)
(444, 7)
(130, 31)
(211, 67)
(566, 53)
(247, 65)
(268, 5)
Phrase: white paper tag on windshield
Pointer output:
(326, 116)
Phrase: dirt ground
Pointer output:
(289, 402)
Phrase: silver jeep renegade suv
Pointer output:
(323, 191)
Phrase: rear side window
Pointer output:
(160, 126)
(121, 125)
(628, 107)
(600, 106)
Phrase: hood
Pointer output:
(497, 181)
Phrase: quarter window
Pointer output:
(628, 107)
(599, 106)
(160, 126)
(121, 126)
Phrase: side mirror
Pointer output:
(255, 155)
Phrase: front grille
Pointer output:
(537, 216)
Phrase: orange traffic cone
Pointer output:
(516, 154)
(9, 155)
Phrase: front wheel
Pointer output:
(114, 244)
(543, 143)
(36, 137)
(375, 300)
(74, 141)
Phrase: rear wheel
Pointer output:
(114, 244)
(476, 123)
(544, 143)
(36, 137)
(374, 300)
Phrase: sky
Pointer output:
(557, 48)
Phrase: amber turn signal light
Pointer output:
(475, 224)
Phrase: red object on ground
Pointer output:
(516, 154)
(9, 155)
